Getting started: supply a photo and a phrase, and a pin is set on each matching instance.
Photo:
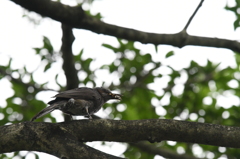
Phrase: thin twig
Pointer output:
(191, 18)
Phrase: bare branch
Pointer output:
(194, 13)
(68, 59)
(76, 18)
(56, 140)
(35, 136)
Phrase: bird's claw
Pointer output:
(89, 116)
(71, 101)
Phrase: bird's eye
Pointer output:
(110, 94)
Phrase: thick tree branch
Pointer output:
(152, 149)
(61, 138)
(42, 137)
(68, 58)
(76, 18)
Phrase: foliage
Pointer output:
(194, 98)
(235, 10)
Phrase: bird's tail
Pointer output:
(45, 111)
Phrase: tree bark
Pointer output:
(64, 139)
(76, 18)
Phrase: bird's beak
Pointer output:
(117, 96)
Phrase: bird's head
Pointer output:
(107, 94)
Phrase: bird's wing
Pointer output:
(79, 93)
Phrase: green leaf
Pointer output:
(110, 47)
(169, 54)
(56, 76)
(37, 50)
(47, 67)
(97, 16)
(9, 63)
(47, 44)
(156, 48)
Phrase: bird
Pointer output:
(82, 101)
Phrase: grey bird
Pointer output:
(81, 101)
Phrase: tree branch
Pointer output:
(152, 149)
(76, 18)
(68, 58)
(194, 13)
(68, 61)
(61, 138)
(43, 137)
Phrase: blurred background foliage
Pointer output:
(150, 90)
